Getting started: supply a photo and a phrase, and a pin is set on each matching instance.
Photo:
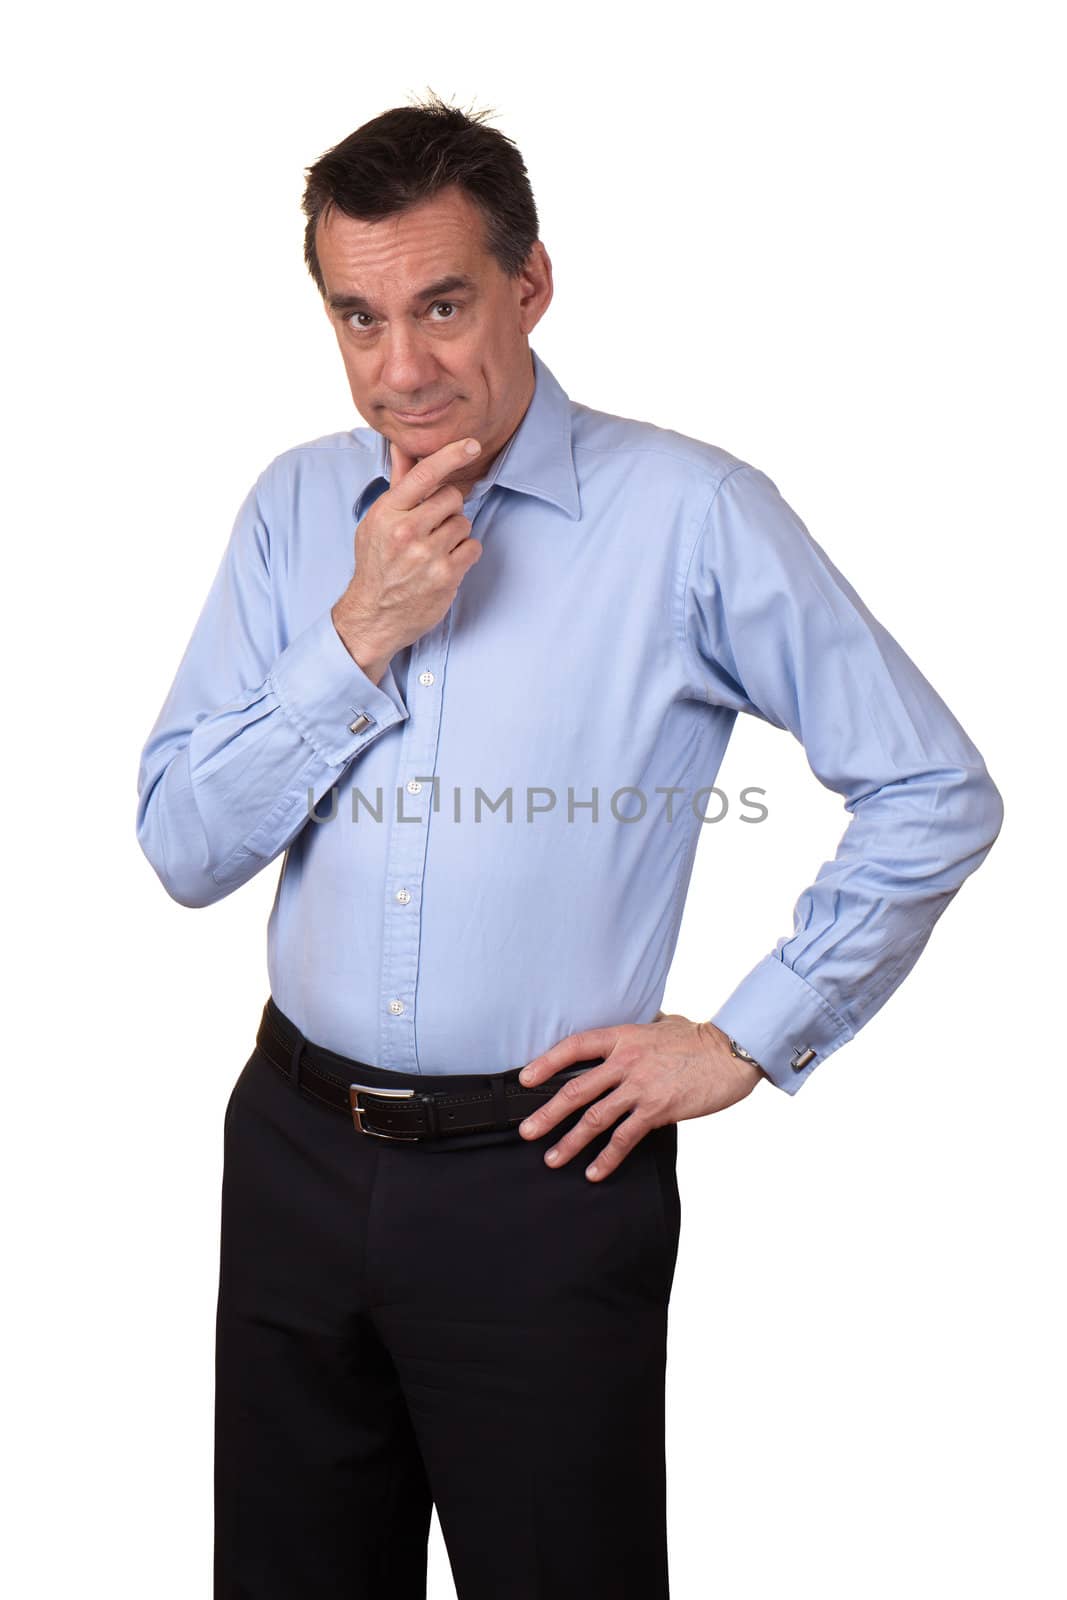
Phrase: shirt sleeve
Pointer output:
(773, 629)
(252, 722)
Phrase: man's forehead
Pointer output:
(359, 257)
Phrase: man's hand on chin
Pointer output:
(653, 1072)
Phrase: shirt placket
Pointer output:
(415, 799)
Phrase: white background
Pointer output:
(823, 237)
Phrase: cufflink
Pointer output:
(802, 1054)
(361, 722)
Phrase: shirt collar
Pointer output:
(538, 458)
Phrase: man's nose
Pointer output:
(409, 368)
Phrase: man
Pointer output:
(477, 728)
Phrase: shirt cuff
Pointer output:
(781, 1020)
(328, 696)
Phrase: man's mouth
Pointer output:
(422, 416)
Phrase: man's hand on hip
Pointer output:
(661, 1071)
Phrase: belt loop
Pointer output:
(294, 1061)
(433, 1118)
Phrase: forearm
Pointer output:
(861, 926)
(222, 793)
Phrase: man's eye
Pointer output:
(361, 326)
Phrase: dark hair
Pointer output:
(410, 153)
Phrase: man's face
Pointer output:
(425, 318)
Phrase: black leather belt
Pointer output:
(465, 1103)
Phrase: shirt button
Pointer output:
(403, 896)
(396, 1007)
(414, 786)
(426, 677)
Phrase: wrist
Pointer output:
(368, 650)
(741, 1054)
(735, 1049)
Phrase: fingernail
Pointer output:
(525, 1075)
(472, 447)
(590, 1172)
(526, 1127)
(553, 1155)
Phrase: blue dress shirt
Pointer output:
(490, 848)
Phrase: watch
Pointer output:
(743, 1055)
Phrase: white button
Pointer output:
(403, 896)
(414, 786)
(426, 677)
(396, 1007)
(361, 722)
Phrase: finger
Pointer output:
(623, 1141)
(575, 1047)
(447, 536)
(429, 472)
(575, 1092)
(603, 1115)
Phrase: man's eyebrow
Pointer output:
(356, 302)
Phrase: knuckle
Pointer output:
(572, 1089)
(594, 1117)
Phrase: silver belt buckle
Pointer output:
(354, 1092)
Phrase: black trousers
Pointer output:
(450, 1324)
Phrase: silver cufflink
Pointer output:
(802, 1054)
(361, 722)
